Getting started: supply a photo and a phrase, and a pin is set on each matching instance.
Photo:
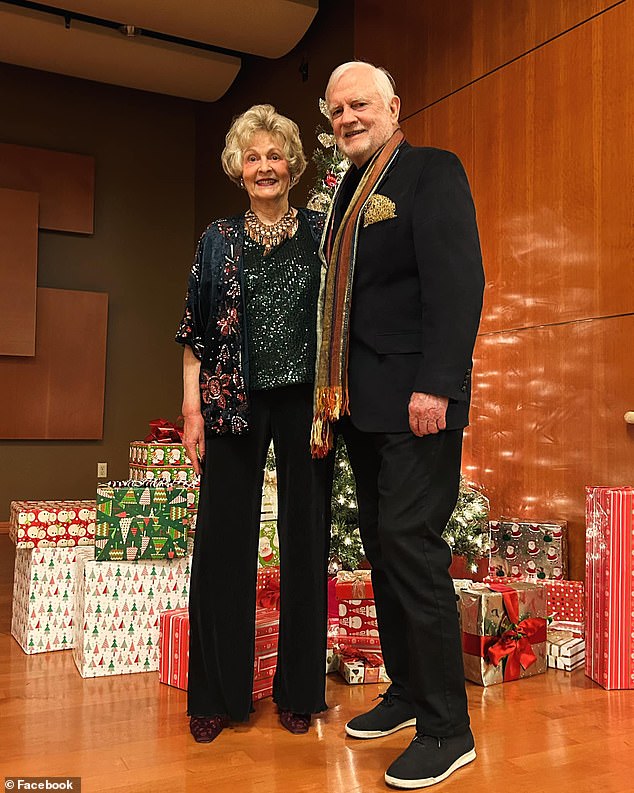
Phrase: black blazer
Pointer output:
(417, 294)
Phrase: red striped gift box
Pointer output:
(174, 649)
(610, 586)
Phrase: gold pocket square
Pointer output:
(378, 207)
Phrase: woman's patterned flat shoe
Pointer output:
(206, 729)
(297, 723)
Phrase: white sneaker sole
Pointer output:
(411, 784)
(379, 733)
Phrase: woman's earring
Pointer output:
(242, 183)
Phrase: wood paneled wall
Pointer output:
(18, 271)
(547, 139)
(142, 146)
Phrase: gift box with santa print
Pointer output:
(503, 631)
(268, 545)
(51, 524)
(610, 586)
(528, 550)
(44, 584)
(117, 607)
(141, 521)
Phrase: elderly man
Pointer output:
(400, 306)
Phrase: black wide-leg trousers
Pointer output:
(223, 581)
(407, 488)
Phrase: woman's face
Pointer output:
(265, 169)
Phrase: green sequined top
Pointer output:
(281, 309)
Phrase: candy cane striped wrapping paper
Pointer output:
(610, 586)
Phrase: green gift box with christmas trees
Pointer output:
(141, 521)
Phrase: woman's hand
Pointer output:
(194, 440)
(194, 429)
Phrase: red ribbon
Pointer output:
(514, 644)
(269, 598)
(163, 431)
(355, 655)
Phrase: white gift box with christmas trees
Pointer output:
(117, 607)
(44, 586)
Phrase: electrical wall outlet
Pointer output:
(102, 470)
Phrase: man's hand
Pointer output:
(194, 439)
(427, 413)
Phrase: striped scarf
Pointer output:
(331, 376)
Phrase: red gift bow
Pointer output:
(163, 431)
(269, 597)
(355, 655)
(514, 644)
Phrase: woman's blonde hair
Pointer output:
(262, 118)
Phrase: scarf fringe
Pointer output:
(330, 404)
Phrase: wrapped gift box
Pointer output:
(357, 619)
(610, 586)
(174, 649)
(141, 521)
(357, 612)
(565, 650)
(528, 551)
(117, 606)
(49, 524)
(158, 454)
(44, 584)
(361, 668)
(269, 497)
(172, 474)
(332, 660)
(269, 545)
(354, 585)
(566, 600)
(503, 631)
(262, 688)
(268, 587)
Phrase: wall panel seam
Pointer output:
(556, 324)
(513, 60)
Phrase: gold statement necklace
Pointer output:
(270, 236)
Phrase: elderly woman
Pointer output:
(248, 368)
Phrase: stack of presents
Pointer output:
(109, 580)
(526, 616)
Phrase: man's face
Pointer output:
(361, 121)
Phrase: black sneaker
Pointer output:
(429, 760)
(390, 715)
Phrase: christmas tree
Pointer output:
(346, 550)
(467, 532)
(331, 167)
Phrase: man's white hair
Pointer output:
(383, 80)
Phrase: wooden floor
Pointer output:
(555, 732)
